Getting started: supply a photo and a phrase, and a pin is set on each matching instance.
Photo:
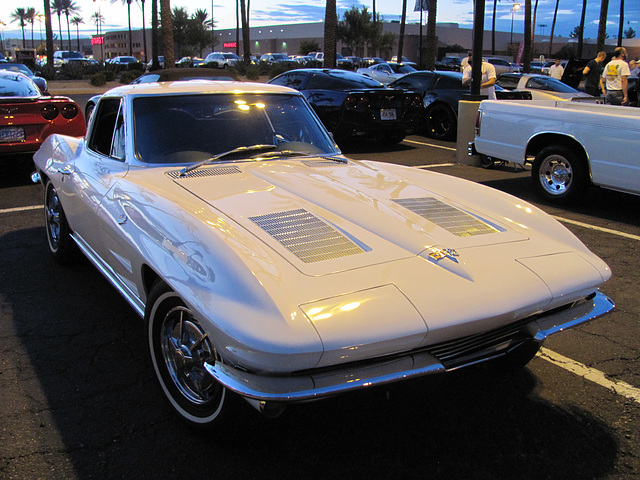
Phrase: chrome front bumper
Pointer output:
(326, 383)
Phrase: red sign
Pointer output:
(97, 40)
(230, 44)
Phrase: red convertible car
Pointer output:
(28, 117)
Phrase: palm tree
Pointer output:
(77, 21)
(69, 8)
(167, 33)
(602, 25)
(57, 6)
(620, 25)
(20, 15)
(49, 34)
(330, 27)
(553, 25)
(581, 33)
(432, 40)
(246, 38)
(128, 4)
(98, 19)
(31, 17)
(526, 57)
(403, 20)
(144, 32)
(202, 18)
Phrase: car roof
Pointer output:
(197, 87)
(174, 74)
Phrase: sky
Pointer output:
(273, 12)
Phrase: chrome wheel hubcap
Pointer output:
(185, 349)
(52, 217)
(556, 175)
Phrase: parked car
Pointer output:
(268, 266)
(441, 91)
(404, 61)
(171, 75)
(453, 64)
(68, 57)
(386, 72)
(22, 68)
(221, 59)
(542, 87)
(352, 105)
(273, 58)
(502, 66)
(28, 117)
(341, 62)
(190, 62)
(125, 62)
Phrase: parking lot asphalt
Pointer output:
(79, 399)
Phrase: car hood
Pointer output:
(315, 210)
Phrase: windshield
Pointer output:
(549, 84)
(72, 55)
(192, 128)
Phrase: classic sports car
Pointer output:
(27, 116)
(269, 266)
(352, 105)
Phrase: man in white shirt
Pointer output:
(556, 70)
(614, 77)
(488, 78)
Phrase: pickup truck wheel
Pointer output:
(441, 122)
(179, 349)
(559, 175)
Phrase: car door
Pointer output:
(94, 173)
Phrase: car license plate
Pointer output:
(11, 134)
(388, 114)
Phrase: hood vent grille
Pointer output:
(323, 163)
(306, 236)
(450, 218)
(205, 172)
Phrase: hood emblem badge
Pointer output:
(438, 253)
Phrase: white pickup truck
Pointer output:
(571, 145)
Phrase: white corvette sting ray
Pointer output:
(268, 266)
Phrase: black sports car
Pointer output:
(352, 105)
(441, 91)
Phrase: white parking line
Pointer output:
(430, 145)
(20, 209)
(591, 374)
(600, 229)
(437, 165)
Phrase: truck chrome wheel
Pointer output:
(559, 174)
(555, 175)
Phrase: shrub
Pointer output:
(252, 72)
(72, 71)
(129, 76)
(98, 79)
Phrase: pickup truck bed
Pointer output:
(570, 144)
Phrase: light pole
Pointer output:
(516, 6)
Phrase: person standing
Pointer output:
(487, 85)
(615, 76)
(556, 71)
(593, 75)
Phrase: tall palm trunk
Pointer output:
(431, 35)
(581, 32)
(144, 32)
(246, 34)
(49, 33)
(403, 21)
(526, 57)
(621, 25)
(493, 28)
(330, 26)
(553, 26)
(167, 33)
(602, 25)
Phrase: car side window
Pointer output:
(101, 138)
(292, 80)
(118, 143)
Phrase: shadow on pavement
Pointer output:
(80, 400)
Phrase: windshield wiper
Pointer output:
(295, 153)
(252, 148)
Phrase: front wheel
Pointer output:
(559, 175)
(179, 348)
